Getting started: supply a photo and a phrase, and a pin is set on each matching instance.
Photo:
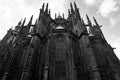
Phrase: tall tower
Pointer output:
(57, 49)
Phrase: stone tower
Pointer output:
(57, 49)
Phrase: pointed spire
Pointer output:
(75, 6)
(72, 10)
(95, 21)
(89, 22)
(30, 22)
(46, 10)
(19, 23)
(31, 18)
(24, 22)
(43, 7)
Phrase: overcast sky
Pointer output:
(107, 12)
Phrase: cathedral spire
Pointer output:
(72, 10)
(24, 22)
(75, 6)
(77, 11)
(89, 22)
(43, 7)
(46, 10)
(96, 22)
(19, 23)
(30, 22)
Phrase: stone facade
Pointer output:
(57, 49)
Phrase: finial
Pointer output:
(89, 22)
(24, 22)
(46, 10)
(95, 21)
(72, 10)
(43, 7)
(19, 23)
(30, 20)
(75, 6)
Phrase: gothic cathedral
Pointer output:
(57, 49)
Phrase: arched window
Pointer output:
(59, 27)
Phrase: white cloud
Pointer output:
(113, 21)
(90, 2)
(107, 6)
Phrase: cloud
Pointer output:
(11, 12)
(113, 21)
(90, 2)
(107, 7)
